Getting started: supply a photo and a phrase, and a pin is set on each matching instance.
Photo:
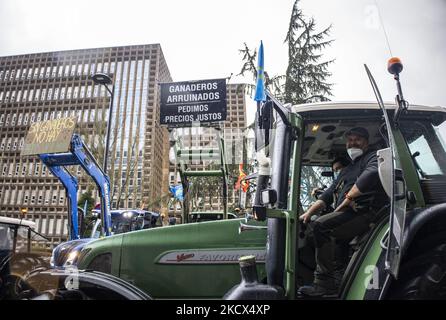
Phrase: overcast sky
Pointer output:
(201, 38)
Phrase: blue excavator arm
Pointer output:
(80, 155)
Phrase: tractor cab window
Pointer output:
(6, 237)
(426, 147)
(313, 177)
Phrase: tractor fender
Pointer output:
(417, 219)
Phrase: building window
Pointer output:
(67, 71)
(75, 93)
(42, 72)
(62, 93)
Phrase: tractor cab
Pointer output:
(295, 148)
(19, 235)
(22, 250)
(324, 128)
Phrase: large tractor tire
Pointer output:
(423, 277)
(18, 268)
(73, 284)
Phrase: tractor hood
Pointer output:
(180, 260)
(68, 252)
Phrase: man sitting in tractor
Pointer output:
(337, 165)
(360, 197)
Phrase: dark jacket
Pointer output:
(364, 173)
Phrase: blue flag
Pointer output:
(177, 192)
(260, 86)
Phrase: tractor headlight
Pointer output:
(128, 215)
(72, 258)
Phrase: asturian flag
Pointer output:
(260, 86)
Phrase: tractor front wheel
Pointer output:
(422, 278)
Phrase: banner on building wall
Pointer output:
(183, 103)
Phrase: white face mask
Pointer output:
(336, 174)
(354, 153)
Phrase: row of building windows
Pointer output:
(56, 71)
(54, 93)
(9, 169)
(32, 197)
(18, 119)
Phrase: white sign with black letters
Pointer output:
(193, 101)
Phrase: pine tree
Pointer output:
(305, 79)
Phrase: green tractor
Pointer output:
(401, 256)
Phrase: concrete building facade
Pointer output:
(43, 86)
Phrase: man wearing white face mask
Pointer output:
(361, 196)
